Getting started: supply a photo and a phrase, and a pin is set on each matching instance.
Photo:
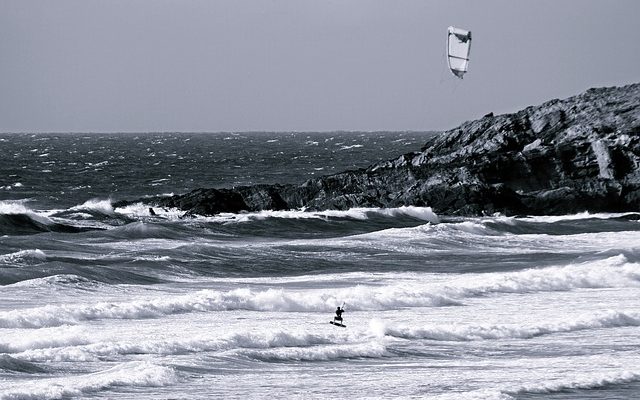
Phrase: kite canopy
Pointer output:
(458, 48)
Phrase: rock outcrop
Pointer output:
(564, 156)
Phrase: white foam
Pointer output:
(348, 147)
(462, 332)
(12, 186)
(447, 231)
(470, 227)
(610, 272)
(14, 207)
(74, 349)
(44, 338)
(422, 213)
(480, 394)
(572, 217)
(142, 210)
(129, 374)
(63, 280)
(359, 297)
(101, 206)
(373, 349)
(152, 258)
(23, 256)
(474, 238)
(582, 381)
(81, 215)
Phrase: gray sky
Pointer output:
(236, 65)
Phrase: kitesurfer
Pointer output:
(338, 317)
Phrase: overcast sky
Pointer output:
(303, 65)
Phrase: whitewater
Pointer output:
(102, 301)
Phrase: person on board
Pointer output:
(338, 317)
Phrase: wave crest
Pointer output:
(459, 332)
(421, 213)
(96, 206)
(11, 364)
(610, 272)
(32, 256)
(131, 374)
(591, 381)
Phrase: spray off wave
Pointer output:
(95, 206)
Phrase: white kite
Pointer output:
(458, 48)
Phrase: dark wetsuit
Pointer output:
(338, 316)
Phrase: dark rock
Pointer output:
(564, 156)
(207, 201)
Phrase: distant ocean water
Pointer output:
(98, 301)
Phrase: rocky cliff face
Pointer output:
(564, 156)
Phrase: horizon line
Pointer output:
(217, 132)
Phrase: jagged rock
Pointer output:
(207, 201)
(564, 156)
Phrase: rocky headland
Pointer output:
(561, 157)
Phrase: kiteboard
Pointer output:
(337, 324)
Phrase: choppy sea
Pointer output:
(104, 302)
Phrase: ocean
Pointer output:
(100, 301)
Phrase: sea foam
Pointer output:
(582, 381)
(23, 257)
(373, 349)
(72, 348)
(610, 272)
(44, 338)
(421, 213)
(464, 332)
(131, 374)
(359, 297)
(95, 205)
(17, 207)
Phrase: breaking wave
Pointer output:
(141, 210)
(580, 216)
(17, 219)
(23, 257)
(420, 213)
(271, 346)
(69, 344)
(64, 336)
(212, 300)
(371, 349)
(10, 364)
(611, 272)
(588, 381)
(95, 206)
(61, 280)
(459, 332)
(78, 347)
(131, 374)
